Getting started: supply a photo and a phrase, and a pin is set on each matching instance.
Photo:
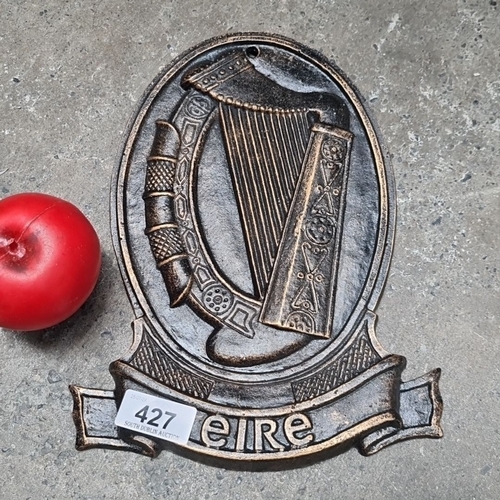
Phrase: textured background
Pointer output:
(70, 78)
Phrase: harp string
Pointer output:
(256, 188)
(291, 146)
(282, 154)
(272, 205)
(274, 167)
(243, 197)
(303, 127)
(265, 153)
(301, 130)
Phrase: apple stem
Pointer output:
(12, 247)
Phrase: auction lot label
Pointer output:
(156, 417)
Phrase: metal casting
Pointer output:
(253, 218)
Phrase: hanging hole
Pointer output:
(252, 52)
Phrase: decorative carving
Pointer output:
(305, 280)
(165, 243)
(217, 299)
(151, 360)
(359, 357)
(160, 176)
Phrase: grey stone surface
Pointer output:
(71, 76)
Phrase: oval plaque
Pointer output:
(253, 218)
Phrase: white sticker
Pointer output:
(156, 417)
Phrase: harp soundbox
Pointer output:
(288, 154)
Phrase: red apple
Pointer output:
(50, 260)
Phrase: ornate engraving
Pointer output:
(151, 360)
(160, 176)
(254, 260)
(217, 298)
(306, 279)
(165, 243)
(358, 358)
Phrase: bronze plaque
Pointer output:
(253, 218)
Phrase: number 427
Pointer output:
(142, 415)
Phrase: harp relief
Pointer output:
(288, 156)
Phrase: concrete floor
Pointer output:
(71, 76)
